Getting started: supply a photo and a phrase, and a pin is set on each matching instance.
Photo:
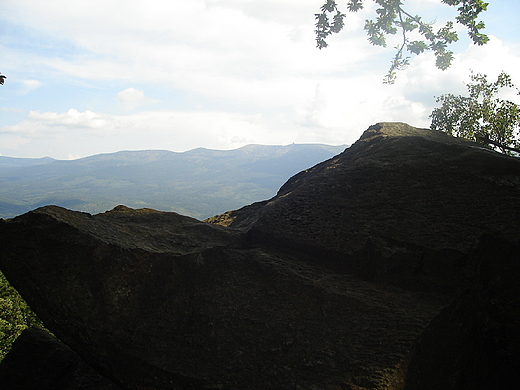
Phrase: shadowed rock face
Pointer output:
(394, 265)
(420, 198)
(39, 361)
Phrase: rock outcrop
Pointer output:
(394, 265)
(402, 189)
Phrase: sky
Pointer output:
(90, 77)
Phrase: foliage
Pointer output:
(392, 18)
(15, 316)
(481, 116)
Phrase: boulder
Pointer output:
(391, 266)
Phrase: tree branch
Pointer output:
(486, 140)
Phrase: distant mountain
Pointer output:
(12, 162)
(198, 183)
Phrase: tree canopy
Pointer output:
(482, 116)
(393, 18)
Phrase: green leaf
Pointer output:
(417, 47)
(338, 23)
(444, 59)
(329, 6)
(355, 5)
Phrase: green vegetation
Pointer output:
(15, 316)
(482, 116)
(393, 18)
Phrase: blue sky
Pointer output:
(89, 77)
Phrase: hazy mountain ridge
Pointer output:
(199, 183)
(14, 162)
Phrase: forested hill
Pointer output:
(198, 183)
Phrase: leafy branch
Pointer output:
(392, 18)
(481, 116)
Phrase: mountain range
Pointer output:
(199, 183)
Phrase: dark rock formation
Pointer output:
(394, 265)
(406, 190)
(39, 361)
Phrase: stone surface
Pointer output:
(394, 265)
(421, 198)
(39, 361)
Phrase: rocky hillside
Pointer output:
(394, 265)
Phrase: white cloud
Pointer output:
(11, 109)
(219, 49)
(250, 68)
(315, 111)
(30, 85)
(171, 130)
(72, 119)
(132, 98)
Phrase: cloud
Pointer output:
(132, 98)
(236, 71)
(30, 85)
(91, 133)
(72, 119)
(316, 108)
(11, 109)
(233, 50)
(39, 125)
